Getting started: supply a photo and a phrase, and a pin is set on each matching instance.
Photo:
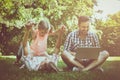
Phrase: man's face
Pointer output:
(84, 27)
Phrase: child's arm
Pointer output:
(25, 38)
(33, 33)
(62, 29)
(58, 42)
(28, 28)
(59, 39)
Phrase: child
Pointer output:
(35, 56)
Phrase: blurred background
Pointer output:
(104, 14)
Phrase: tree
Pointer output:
(111, 33)
(14, 14)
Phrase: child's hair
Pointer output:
(43, 25)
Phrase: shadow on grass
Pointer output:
(8, 71)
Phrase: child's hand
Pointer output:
(63, 29)
(29, 25)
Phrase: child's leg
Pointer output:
(43, 65)
(49, 66)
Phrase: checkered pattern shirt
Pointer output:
(73, 41)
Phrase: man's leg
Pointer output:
(70, 61)
(101, 59)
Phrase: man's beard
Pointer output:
(84, 32)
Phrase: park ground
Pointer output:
(8, 71)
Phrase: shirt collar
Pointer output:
(78, 33)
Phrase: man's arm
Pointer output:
(96, 40)
(68, 44)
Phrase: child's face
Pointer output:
(42, 32)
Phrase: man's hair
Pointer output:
(82, 19)
(44, 25)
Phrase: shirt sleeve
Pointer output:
(68, 42)
(96, 40)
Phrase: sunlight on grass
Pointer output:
(113, 58)
(12, 72)
(8, 56)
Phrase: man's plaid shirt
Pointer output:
(73, 41)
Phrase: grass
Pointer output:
(8, 71)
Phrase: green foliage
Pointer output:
(110, 39)
(55, 10)
(116, 18)
(111, 33)
(14, 14)
(10, 38)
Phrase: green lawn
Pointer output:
(8, 71)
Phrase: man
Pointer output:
(82, 38)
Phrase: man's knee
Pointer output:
(104, 54)
(66, 55)
(67, 59)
